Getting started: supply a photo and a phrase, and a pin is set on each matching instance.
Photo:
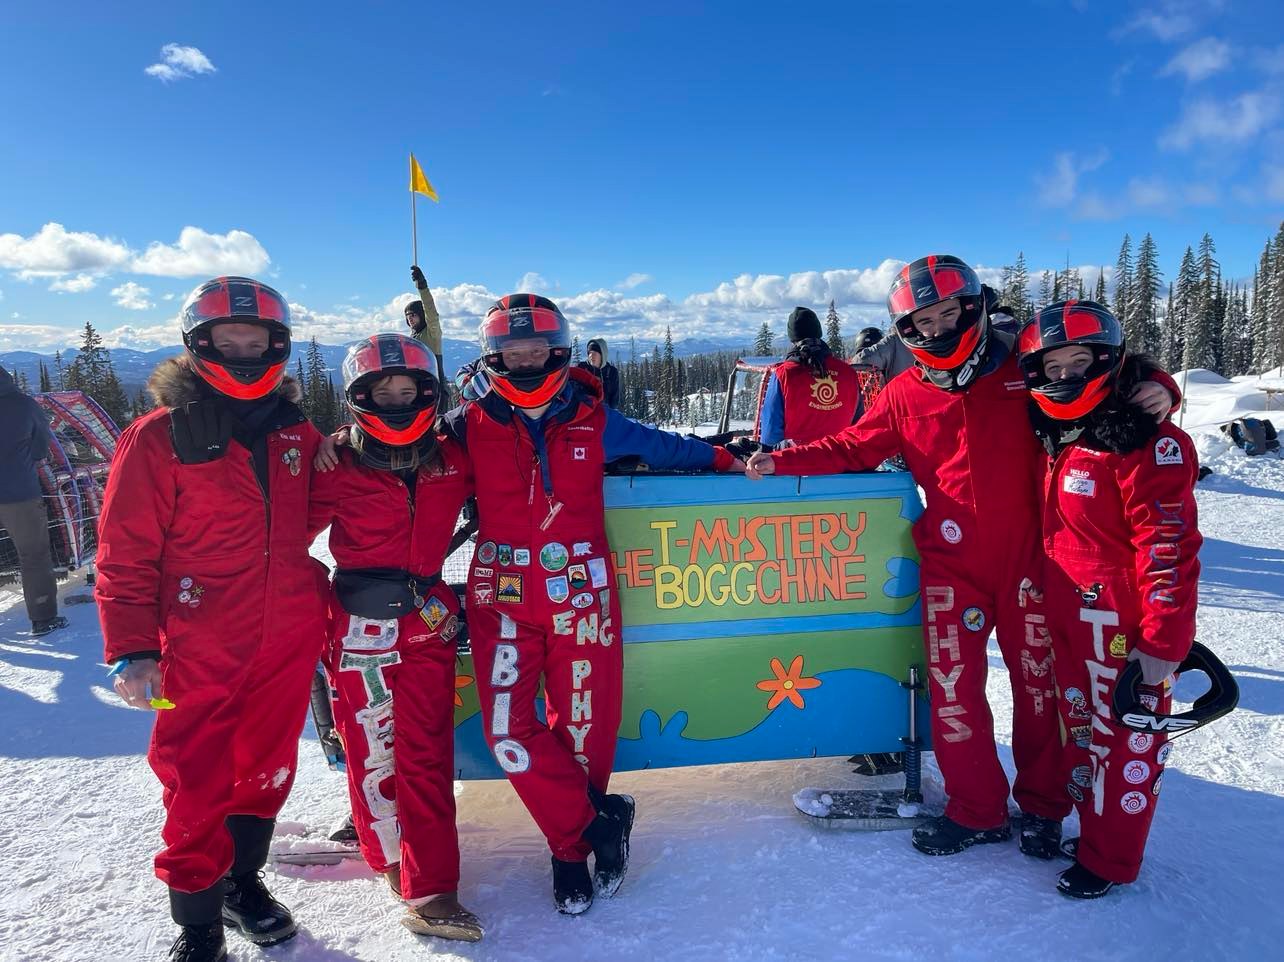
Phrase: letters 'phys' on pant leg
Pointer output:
(956, 622)
(509, 657)
(1115, 774)
(363, 661)
(1025, 640)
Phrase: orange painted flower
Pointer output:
(787, 684)
(461, 681)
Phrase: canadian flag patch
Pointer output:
(1167, 451)
(579, 454)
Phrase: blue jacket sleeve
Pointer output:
(772, 428)
(660, 449)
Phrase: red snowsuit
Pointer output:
(974, 455)
(1122, 542)
(815, 407)
(399, 672)
(194, 561)
(541, 598)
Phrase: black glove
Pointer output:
(990, 298)
(417, 276)
(743, 448)
(200, 431)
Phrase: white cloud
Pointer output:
(1273, 182)
(143, 338)
(1200, 60)
(632, 281)
(531, 283)
(1164, 23)
(1221, 121)
(199, 253)
(55, 250)
(132, 296)
(178, 62)
(1059, 187)
(74, 285)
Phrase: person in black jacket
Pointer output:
(603, 370)
(24, 440)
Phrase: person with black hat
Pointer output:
(425, 323)
(811, 394)
(603, 370)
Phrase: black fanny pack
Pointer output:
(381, 592)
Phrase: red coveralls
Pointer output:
(541, 602)
(817, 407)
(398, 673)
(1122, 543)
(974, 455)
(197, 562)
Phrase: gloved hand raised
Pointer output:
(1154, 671)
(417, 276)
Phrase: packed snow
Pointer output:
(722, 865)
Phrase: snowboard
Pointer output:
(866, 810)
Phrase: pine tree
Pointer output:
(1180, 325)
(20, 379)
(1143, 324)
(762, 344)
(834, 332)
(1260, 319)
(1275, 345)
(319, 401)
(89, 370)
(46, 384)
(111, 396)
(576, 356)
(1194, 299)
(1016, 290)
(1123, 291)
(60, 374)
(1047, 288)
(1099, 295)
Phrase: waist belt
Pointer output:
(382, 592)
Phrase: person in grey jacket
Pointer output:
(24, 440)
(890, 355)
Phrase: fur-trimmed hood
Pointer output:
(175, 383)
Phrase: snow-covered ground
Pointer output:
(722, 868)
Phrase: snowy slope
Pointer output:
(722, 866)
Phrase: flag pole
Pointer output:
(414, 231)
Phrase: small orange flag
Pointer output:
(419, 183)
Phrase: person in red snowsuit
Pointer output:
(1122, 541)
(810, 394)
(958, 418)
(208, 598)
(393, 502)
(541, 599)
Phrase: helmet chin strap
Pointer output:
(958, 378)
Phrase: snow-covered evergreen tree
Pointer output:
(762, 343)
(1142, 292)
(834, 332)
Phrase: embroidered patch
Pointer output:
(582, 548)
(483, 593)
(582, 600)
(1083, 486)
(1167, 451)
(1082, 735)
(973, 619)
(1119, 646)
(292, 459)
(951, 532)
(510, 589)
(557, 588)
(1133, 803)
(521, 557)
(433, 613)
(597, 572)
(1082, 775)
(483, 572)
(1078, 703)
(450, 629)
(486, 552)
(504, 555)
(579, 454)
(578, 575)
(553, 556)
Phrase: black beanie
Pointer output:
(416, 308)
(803, 324)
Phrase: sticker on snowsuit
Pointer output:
(1140, 742)
(504, 555)
(582, 548)
(1154, 789)
(1082, 776)
(190, 592)
(1082, 735)
(1119, 646)
(510, 589)
(1162, 755)
(486, 552)
(521, 557)
(507, 627)
(1089, 594)
(1167, 451)
(578, 576)
(483, 593)
(579, 454)
(1133, 803)
(292, 459)
(604, 598)
(433, 613)
(1149, 701)
(582, 600)
(973, 619)
(951, 532)
(597, 572)
(1136, 772)
(1027, 593)
(483, 572)
(185, 583)
(450, 629)
(1078, 703)
(1074, 791)
(553, 557)
(558, 590)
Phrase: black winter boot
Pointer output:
(944, 836)
(572, 887)
(247, 904)
(1039, 837)
(199, 943)
(1079, 883)
(609, 836)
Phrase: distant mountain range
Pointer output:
(134, 367)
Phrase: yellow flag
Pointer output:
(419, 183)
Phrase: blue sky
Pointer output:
(700, 165)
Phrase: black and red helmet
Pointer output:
(239, 300)
(930, 280)
(1063, 324)
(383, 355)
(522, 321)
